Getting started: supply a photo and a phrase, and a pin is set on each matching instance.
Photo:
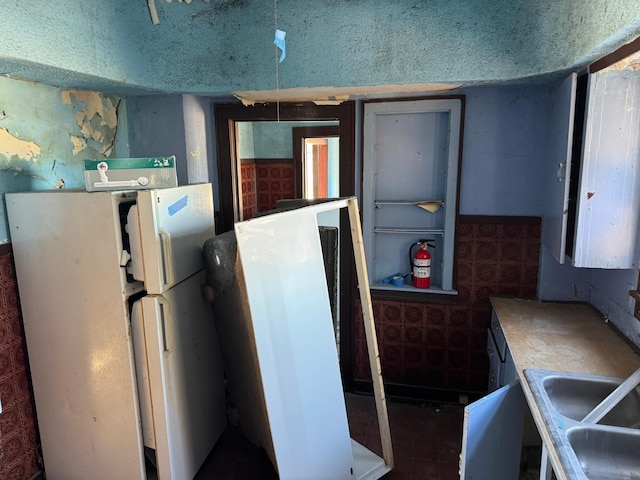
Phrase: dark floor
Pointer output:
(426, 443)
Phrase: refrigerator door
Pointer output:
(77, 330)
(172, 223)
(185, 378)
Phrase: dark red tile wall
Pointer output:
(18, 451)
(444, 346)
(248, 188)
(263, 183)
(274, 181)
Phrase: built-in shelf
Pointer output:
(405, 202)
(425, 231)
(411, 157)
(408, 287)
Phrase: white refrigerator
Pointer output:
(122, 348)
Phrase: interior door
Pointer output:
(492, 435)
(184, 378)
(171, 223)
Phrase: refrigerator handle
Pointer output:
(164, 315)
(165, 246)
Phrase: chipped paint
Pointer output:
(95, 104)
(79, 144)
(97, 116)
(12, 146)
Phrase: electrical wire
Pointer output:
(275, 21)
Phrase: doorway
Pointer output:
(336, 124)
(316, 162)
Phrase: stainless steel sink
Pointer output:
(605, 450)
(576, 396)
(600, 449)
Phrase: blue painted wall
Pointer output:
(219, 46)
(504, 143)
(47, 132)
(270, 139)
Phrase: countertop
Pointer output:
(565, 337)
(568, 337)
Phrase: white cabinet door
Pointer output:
(558, 168)
(173, 223)
(492, 435)
(608, 220)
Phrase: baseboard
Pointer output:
(412, 393)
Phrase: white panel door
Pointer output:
(185, 378)
(558, 170)
(492, 435)
(174, 223)
(282, 261)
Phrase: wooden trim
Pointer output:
(298, 133)
(414, 99)
(616, 56)
(226, 115)
(414, 393)
(370, 332)
(417, 297)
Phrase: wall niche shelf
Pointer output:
(411, 155)
(426, 231)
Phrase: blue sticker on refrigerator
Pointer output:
(175, 207)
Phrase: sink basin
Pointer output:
(600, 449)
(607, 449)
(575, 396)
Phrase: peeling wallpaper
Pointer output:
(46, 133)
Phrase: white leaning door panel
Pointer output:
(185, 378)
(291, 315)
(174, 223)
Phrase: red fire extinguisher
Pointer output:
(421, 264)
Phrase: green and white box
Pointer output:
(130, 173)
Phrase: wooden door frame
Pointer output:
(226, 116)
(299, 133)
